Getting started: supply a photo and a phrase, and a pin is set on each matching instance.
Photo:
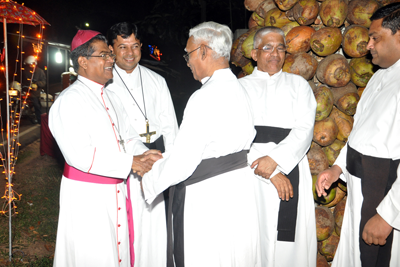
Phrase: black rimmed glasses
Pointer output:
(186, 56)
(105, 56)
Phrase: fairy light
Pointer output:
(17, 104)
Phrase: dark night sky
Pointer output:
(164, 23)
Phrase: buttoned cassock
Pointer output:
(149, 220)
(375, 133)
(92, 226)
(220, 220)
(286, 101)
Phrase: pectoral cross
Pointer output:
(147, 134)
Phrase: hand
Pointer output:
(152, 151)
(283, 186)
(151, 157)
(266, 166)
(326, 179)
(140, 166)
(376, 231)
(34, 86)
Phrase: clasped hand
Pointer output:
(265, 166)
(143, 163)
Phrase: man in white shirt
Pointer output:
(284, 113)
(146, 98)
(95, 137)
(208, 163)
(369, 161)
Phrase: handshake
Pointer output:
(143, 163)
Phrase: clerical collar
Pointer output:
(266, 74)
(93, 84)
(206, 79)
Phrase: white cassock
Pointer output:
(375, 133)
(150, 223)
(220, 220)
(284, 100)
(92, 225)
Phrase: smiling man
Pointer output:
(94, 135)
(284, 113)
(369, 162)
(147, 100)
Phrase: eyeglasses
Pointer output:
(269, 49)
(186, 57)
(105, 56)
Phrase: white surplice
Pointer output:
(284, 100)
(92, 225)
(220, 220)
(375, 133)
(150, 223)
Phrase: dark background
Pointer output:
(164, 23)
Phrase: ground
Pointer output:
(34, 228)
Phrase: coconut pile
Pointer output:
(327, 45)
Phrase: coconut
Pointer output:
(360, 91)
(302, 64)
(324, 98)
(248, 68)
(237, 57)
(259, 21)
(306, 11)
(333, 12)
(248, 44)
(359, 12)
(251, 5)
(325, 132)
(338, 215)
(333, 150)
(361, 70)
(340, 194)
(285, 4)
(342, 185)
(312, 85)
(328, 246)
(324, 222)
(264, 7)
(355, 41)
(326, 41)
(276, 17)
(298, 39)
(331, 193)
(346, 98)
(334, 70)
(321, 261)
(286, 28)
(344, 123)
(317, 159)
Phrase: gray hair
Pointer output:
(219, 37)
(264, 31)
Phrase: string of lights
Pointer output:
(16, 106)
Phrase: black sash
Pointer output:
(157, 144)
(206, 169)
(377, 176)
(288, 209)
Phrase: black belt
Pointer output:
(377, 176)
(288, 209)
(206, 169)
(157, 144)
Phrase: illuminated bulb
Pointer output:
(59, 58)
